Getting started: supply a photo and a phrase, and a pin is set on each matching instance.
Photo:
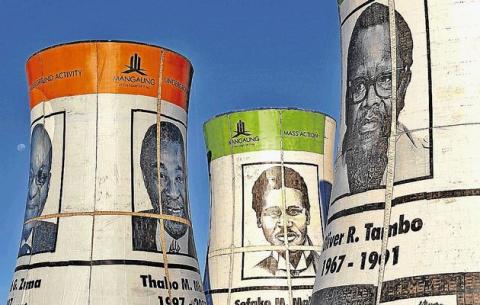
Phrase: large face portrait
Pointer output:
(270, 200)
(39, 176)
(368, 103)
(277, 215)
(172, 182)
(282, 208)
(44, 186)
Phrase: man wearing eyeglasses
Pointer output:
(38, 236)
(268, 201)
(368, 105)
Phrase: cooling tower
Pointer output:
(402, 225)
(270, 176)
(107, 120)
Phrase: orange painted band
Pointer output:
(92, 67)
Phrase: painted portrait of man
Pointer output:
(38, 236)
(170, 198)
(277, 206)
(368, 105)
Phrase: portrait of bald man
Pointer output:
(38, 236)
(268, 200)
(170, 198)
(368, 105)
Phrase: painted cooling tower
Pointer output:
(403, 223)
(108, 119)
(257, 226)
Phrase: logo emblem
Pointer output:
(134, 66)
(241, 129)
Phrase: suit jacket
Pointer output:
(44, 239)
(144, 235)
(270, 263)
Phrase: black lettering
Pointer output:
(368, 226)
(185, 284)
(393, 230)
(417, 224)
(14, 285)
(338, 239)
(197, 286)
(279, 301)
(351, 235)
(377, 233)
(404, 225)
(144, 280)
(152, 283)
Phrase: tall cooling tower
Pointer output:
(403, 223)
(101, 227)
(270, 173)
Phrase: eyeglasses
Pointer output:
(41, 176)
(358, 88)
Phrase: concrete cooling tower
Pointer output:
(107, 218)
(403, 222)
(270, 176)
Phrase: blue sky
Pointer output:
(246, 54)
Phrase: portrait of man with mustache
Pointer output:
(172, 199)
(369, 105)
(268, 204)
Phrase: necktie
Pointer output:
(174, 247)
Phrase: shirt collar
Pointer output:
(305, 260)
(173, 245)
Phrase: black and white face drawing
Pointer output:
(172, 174)
(268, 201)
(38, 236)
(162, 188)
(368, 95)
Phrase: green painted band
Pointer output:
(266, 129)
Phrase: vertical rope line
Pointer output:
(51, 147)
(159, 187)
(323, 217)
(95, 180)
(232, 245)
(284, 213)
(391, 147)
